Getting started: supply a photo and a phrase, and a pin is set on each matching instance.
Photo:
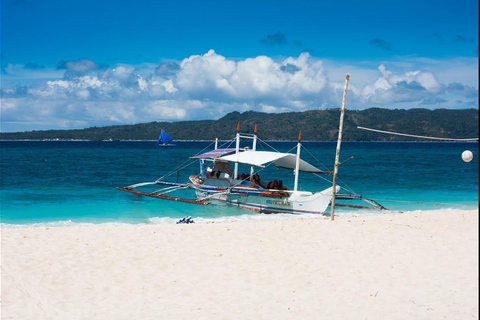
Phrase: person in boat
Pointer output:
(243, 176)
(272, 184)
(256, 180)
(280, 185)
(215, 174)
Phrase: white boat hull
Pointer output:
(271, 202)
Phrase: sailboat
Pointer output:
(164, 140)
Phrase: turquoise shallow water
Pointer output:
(74, 181)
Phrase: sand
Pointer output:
(393, 266)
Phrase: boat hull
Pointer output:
(271, 202)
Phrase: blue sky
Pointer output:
(69, 64)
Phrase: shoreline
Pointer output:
(247, 216)
(394, 266)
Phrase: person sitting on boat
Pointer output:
(243, 176)
(272, 184)
(214, 174)
(256, 181)
(280, 185)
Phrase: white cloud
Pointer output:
(165, 109)
(142, 84)
(59, 83)
(89, 82)
(83, 94)
(200, 76)
(210, 85)
(271, 109)
(79, 67)
(123, 72)
(412, 86)
(169, 87)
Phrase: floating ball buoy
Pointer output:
(467, 155)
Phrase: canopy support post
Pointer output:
(297, 163)
(254, 148)
(237, 149)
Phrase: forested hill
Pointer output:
(316, 125)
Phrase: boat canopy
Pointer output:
(214, 154)
(280, 160)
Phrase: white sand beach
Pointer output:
(393, 266)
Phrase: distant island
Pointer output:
(316, 125)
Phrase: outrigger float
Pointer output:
(218, 182)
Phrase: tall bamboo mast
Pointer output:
(339, 142)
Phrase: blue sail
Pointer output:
(164, 138)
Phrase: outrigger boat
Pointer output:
(218, 182)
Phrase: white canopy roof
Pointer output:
(261, 158)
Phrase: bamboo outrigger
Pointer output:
(165, 197)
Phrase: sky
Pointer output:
(77, 64)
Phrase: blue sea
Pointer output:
(73, 182)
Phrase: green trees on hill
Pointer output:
(317, 125)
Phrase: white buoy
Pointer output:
(467, 155)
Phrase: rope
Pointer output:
(344, 184)
(326, 169)
(260, 141)
(418, 202)
(189, 162)
(181, 167)
(185, 164)
(415, 136)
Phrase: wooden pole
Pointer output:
(339, 142)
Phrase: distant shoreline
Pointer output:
(315, 125)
